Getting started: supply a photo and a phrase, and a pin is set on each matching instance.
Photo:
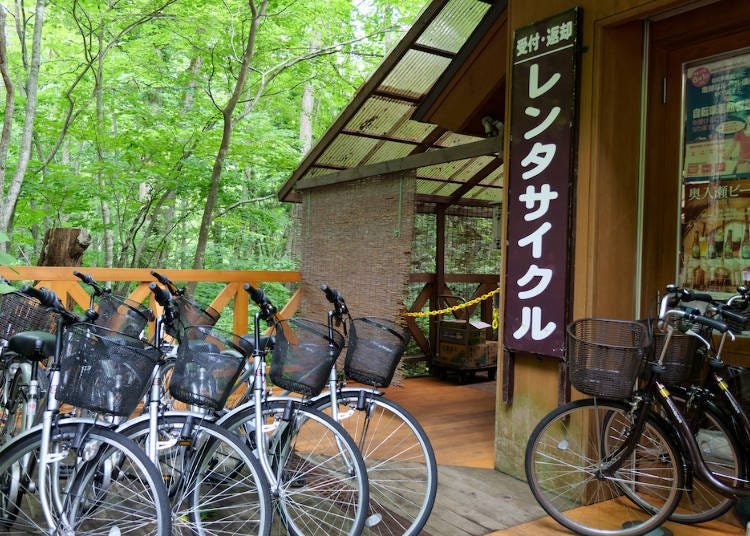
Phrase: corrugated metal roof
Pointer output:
(377, 127)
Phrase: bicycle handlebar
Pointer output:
(48, 298)
(90, 281)
(335, 297)
(171, 287)
(267, 309)
(675, 295)
(691, 317)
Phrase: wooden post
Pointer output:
(439, 275)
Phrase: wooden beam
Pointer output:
(484, 147)
(476, 179)
(445, 200)
(56, 273)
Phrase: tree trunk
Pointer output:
(9, 197)
(259, 12)
(64, 246)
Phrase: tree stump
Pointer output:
(64, 246)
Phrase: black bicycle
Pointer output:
(610, 464)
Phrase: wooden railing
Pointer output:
(69, 287)
(430, 298)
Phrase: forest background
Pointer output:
(164, 128)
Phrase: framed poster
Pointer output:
(715, 216)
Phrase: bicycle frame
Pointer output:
(656, 390)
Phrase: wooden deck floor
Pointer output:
(474, 499)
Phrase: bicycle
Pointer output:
(299, 471)
(24, 381)
(21, 384)
(401, 464)
(77, 476)
(696, 382)
(317, 475)
(606, 453)
(215, 483)
(400, 461)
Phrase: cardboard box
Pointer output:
(455, 331)
(467, 357)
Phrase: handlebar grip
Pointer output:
(332, 295)
(86, 278)
(256, 294)
(713, 323)
(160, 278)
(163, 296)
(47, 297)
(689, 295)
(732, 316)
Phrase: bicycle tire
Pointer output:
(215, 483)
(400, 460)
(14, 408)
(565, 451)
(111, 487)
(723, 455)
(322, 478)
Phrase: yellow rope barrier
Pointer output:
(460, 306)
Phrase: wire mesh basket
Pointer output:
(374, 349)
(605, 356)
(103, 370)
(190, 313)
(19, 312)
(682, 363)
(122, 314)
(303, 355)
(209, 360)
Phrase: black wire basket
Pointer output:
(103, 370)
(682, 364)
(209, 361)
(605, 356)
(19, 312)
(303, 355)
(122, 314)
(374, 349)
(190, 313)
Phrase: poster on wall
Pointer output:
(540, 179)
(715, 218)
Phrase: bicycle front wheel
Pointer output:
(99, 483)
(319, 479)
(215, 483)
(401, 466)
(566, 467)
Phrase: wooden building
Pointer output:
(603, 128)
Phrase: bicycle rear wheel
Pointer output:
(108, 486)
(565, 464)
(401, 466)
(13, 408)
(722, 454)
(321, 478)
(18, 412)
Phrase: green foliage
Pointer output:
(128, 120)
